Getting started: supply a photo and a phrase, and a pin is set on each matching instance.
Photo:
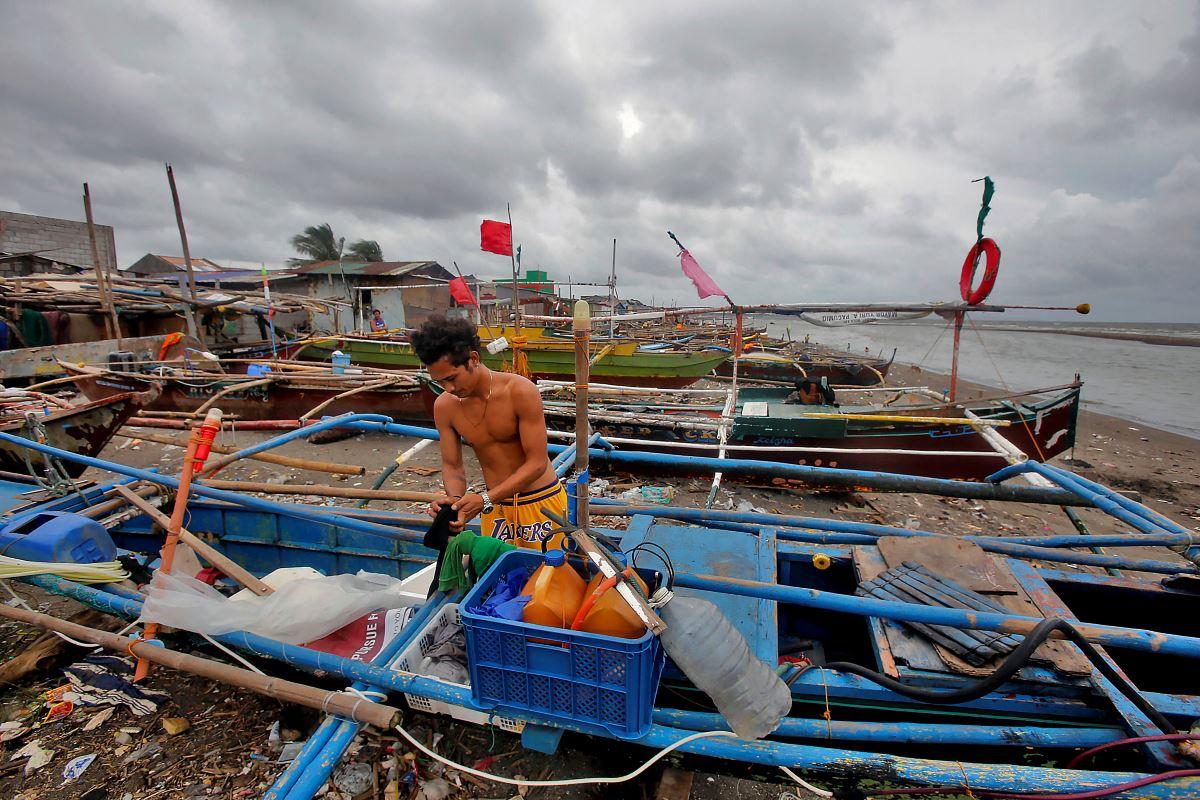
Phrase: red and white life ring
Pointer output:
(991, 252)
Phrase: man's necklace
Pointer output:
(491, 385)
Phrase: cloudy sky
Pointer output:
(802, 151)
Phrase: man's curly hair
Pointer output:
(439, 337)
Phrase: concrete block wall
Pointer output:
(21, 233)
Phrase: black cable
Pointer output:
(1008, 667)
(659, 552)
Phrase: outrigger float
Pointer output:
(883, 633)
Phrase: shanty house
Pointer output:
(407, 292)
(151, 264)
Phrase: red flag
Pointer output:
(495, 237)
(462, 293)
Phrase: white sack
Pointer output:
(299, 611)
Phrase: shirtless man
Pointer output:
(500, 416)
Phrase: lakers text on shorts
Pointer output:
(521, 521)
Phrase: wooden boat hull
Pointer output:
(547, 361)
(931, 450)
(286, 399)
(84, 429)
(847, 372)
(41, 363)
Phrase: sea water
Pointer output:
(1154, 384)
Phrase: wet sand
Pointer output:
(1145, 338)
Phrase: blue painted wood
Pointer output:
(1163, 753)
(836, 761)
(731, 554)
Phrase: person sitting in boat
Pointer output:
(810, 392)
(377, 323)
(500, 416)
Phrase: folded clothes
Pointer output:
(446, 654)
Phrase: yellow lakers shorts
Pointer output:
(520, 520)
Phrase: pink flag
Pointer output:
(705, 286)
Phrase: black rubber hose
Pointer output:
(1008, 667)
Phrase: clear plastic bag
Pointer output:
(298, 611)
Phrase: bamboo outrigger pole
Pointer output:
(582, 326)
(343, 704)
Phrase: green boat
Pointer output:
(549, 358)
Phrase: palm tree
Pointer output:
(317, 243)
(365, 250)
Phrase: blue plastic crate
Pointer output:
(600, 684)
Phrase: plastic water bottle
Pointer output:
(715, 657)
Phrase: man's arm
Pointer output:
(454, 477)
(531, 429)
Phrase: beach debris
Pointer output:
(104, 680)
(59, 710)
(57, 694)
(96, 720)
(143, 752)
(289, 751)
(434, 789)
(38, 756)
(659, 495)
(76, 767)
(175, 725)
(13, 729)
(354, 778)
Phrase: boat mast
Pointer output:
(612, 295)
(103, 276)
(189, 313)
(958, 323)
(516, 289)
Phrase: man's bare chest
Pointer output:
(496, 425)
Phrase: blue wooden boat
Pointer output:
(789, 585)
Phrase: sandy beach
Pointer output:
(1145, 338)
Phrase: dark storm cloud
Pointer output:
(801, 150)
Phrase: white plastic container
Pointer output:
(715, 657)
(409, 662)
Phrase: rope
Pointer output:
(921, 363)
(1007, 388)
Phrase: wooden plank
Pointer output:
(209, 553)
(963, 562)
(969, 566)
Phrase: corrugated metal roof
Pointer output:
(392, 268)
(243, 276)
(198, 264)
